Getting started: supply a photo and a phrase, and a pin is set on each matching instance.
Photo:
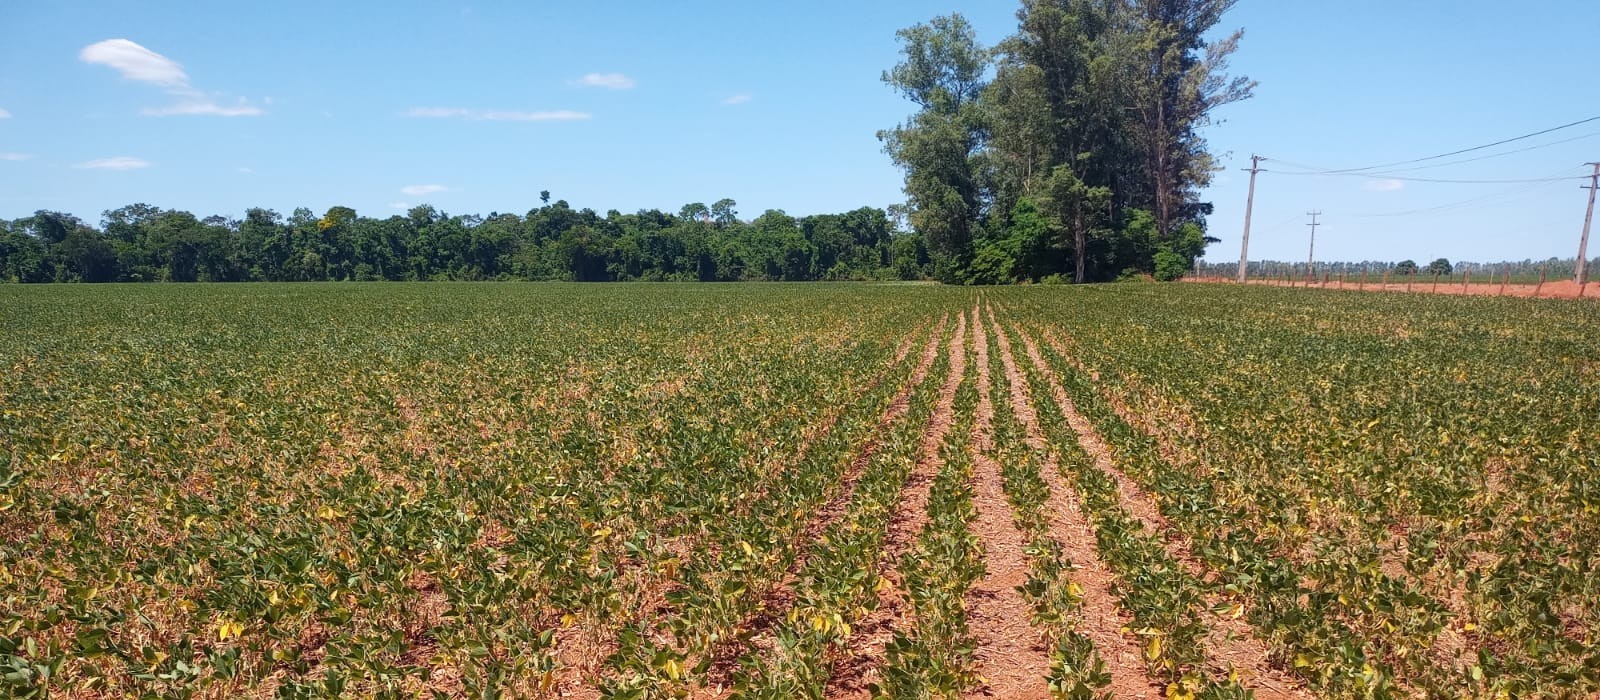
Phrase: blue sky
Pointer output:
(476, 107)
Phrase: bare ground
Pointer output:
(1455, 646)
(1551, 289)
(1229, 641)
(1013, 660)
(1103, 621)
(853, 671)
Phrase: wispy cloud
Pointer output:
(15, 156)
(495, 115)
(117, 163)
(4, 114)
(1385, 185)
(422, 190)
(246, 170)
(204, 107)
(402, 206)
(610, 81)
(136, 62)
(737, 100)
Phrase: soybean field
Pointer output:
(796, 491)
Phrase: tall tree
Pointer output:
(1093, 115)
(1175, 79)
(942, 70)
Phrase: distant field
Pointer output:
(809, 490)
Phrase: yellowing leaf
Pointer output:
(1152, 649)
(228, 629)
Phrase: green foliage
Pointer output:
(141, 243)
(1367, 521)
(1170, 266)
(1439, 267)
(1093, 114)
(1405, 267)
(374, 490)
(942, 71)
(383, 490)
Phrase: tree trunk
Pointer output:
(1080, 242)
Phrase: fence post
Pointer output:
(1466, 276)
(1505, 279)
(1435, 288)
(1540, 287)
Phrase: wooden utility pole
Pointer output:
(1249, 204)
(1311, 254)
(1582, 274)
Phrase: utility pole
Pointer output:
(1583, 243)
(1311, 255)
(1249, 204)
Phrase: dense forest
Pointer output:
(1071, 149)
(141, 243)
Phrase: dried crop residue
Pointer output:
(1228, 641)
(853, 671)
(1103, 621)
(1013, 660)
(776, 601)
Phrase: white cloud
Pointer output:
(495, 115)
(402, 206)
(117, 163)
(204, 107)
(437, 112)
(136, 62)
(15, 156)
(4, 114)
(610, 81)
(737, 100)
(1385, 185)
(422, 190)
(247, 170)
(560, 115)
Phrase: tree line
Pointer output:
(143, 243)
(1070, 149)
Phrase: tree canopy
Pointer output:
(1071, 148)
(140, 243)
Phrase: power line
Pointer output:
(1451, 205)
(1320, 170)
(1591, 134)
(1454, 153)
(1384, 176)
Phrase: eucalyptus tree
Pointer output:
(943, 70)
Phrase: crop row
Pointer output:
(251, 495)
(1372, 529)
